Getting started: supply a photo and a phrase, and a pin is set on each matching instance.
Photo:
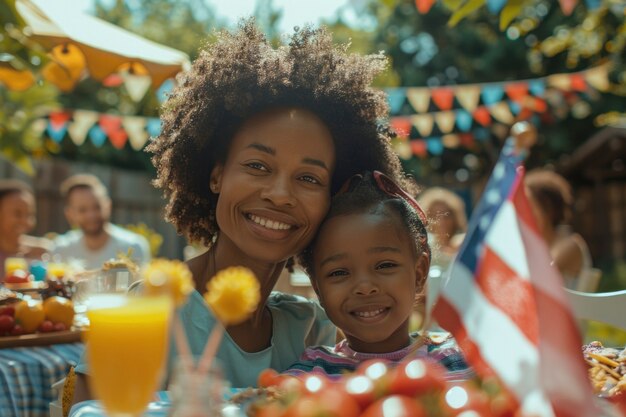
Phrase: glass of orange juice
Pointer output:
(126, 350)
(12, 264)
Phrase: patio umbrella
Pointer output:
(78, 41)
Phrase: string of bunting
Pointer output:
(81, 125)
(453, 116)
(496, 6)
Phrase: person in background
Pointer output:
(447, 223)
(551, 200)
(368, 265)
(17, 218)
(94, 239)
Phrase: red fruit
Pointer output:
(46, 327)
(271, 409)
(328, 402)
(7, 311)
(361, 388)
(417, 377)
(395, 406)
(268, 377)
(17, 330)
(59, 327)
(6, 323)
(17, 277)
(291, 384)
(379, 372)
(461, 397)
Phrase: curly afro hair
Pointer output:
(241, 75)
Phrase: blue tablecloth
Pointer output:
(27, 375)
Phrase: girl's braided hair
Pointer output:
(240, 75)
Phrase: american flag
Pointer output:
(504, 303)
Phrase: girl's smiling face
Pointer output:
(367, 273)
(17, 214)
(274, 187)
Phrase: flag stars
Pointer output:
(484, 222)
(498, 171)
(493, 196)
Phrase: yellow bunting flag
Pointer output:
(598, 78)
(423, 123)
(451, 141)
(501, 112)
(560, 81)
(445, 121)
(419, 98)
(83, 121)
(468, 96)
(136, 129)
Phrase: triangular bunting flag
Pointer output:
(492, 93)
(419, 98)
(136, 129)
(467, 139)
(537, 87)
(434, 146)
(481, 115)
(401, 125)
(515, 107)
(136, 85)
(38, 126)
(443, 97)
(568, 6)
(463, 120)
(468, 96)
(495, 6)
(445, 121)
(598, 78)
(164, 90)
(83, 120)
(500, 111)
(118, 138)
(423, 6)
(57, 125)
(593, 5)
(517, 90)
(110, 123)
(423, 123)
(97, 136)
(450, 141)
(560, 81)
(577, 81)
(154, 126)
(418, 147)
(402, 148)
(395, 97)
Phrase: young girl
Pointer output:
(367, 263)
(255, 140)
(17, 218)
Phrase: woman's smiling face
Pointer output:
(274, 187)
(367, 273)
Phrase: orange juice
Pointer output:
(126, 350)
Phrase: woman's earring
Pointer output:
(213, 187)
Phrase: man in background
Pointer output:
(94, 239)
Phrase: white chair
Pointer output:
(605, 307)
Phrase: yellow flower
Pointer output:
(162, 276)
(233, 294)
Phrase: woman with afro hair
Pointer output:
(254, 142)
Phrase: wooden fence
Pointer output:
(134, 199)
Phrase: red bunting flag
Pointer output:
(418, 147)
(516, 91)
(568, 6)
(424, 6)
(482, 116)
(443, 97)
(401, 125)
(58, 119)
(118, 138)
(577, 82)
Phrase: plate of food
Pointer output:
(607, 369)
